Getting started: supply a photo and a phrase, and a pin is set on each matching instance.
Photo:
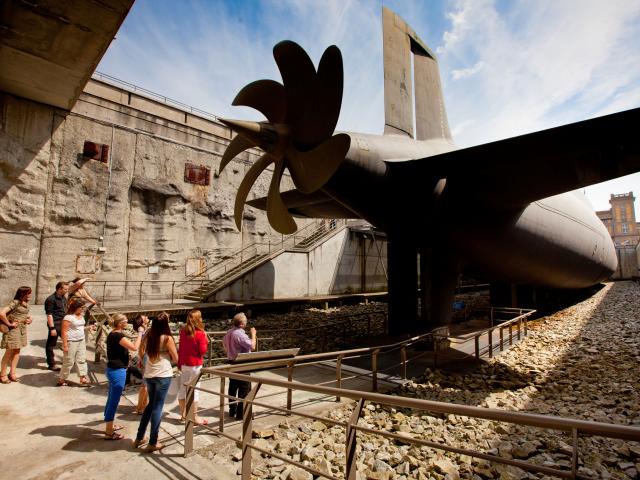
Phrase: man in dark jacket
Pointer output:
(55, 306)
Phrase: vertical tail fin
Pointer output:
(399, 42)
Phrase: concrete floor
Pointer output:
(50, 432)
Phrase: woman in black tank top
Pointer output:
(118, 347)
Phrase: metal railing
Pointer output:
(341, 323)
(152, 95)
(520, 323)
(265, 248)
(139, 290)
(435, 337)
(575, 428)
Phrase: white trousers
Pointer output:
(187, 374)
(76, 355)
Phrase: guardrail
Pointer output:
(575, 427)
(435, 338)
(264, 248)
(153, 95)
(519, 322)
(135, 289)
(343, 323)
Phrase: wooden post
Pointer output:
(247, 429)
(510, 334)
(501, 339)
(351, 442)
(519, 328)
(477, 341)
(221, 425)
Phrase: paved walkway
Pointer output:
(50, 432)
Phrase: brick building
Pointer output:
(620, 220)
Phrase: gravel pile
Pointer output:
(582, 362)
(313, 330)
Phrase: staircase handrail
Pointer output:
(241, 253)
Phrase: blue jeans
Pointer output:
(157, 388)
(116, 377)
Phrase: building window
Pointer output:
(625, 229)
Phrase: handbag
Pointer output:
(4, 328)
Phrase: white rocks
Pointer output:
(549, 372)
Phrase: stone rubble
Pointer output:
(581, 362)
(312, 329)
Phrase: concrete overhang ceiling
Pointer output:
(50, 48)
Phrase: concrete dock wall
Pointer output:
(132, 218)
(346, 263)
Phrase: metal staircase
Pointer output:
(222, 274)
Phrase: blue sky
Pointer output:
(508, 67)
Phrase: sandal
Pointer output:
(4, 379)
(62, 383)
(13, 378)
(113, 436)
(203, 422)
(117, 427)
(153, 448)
(142, 441)
(84, 381)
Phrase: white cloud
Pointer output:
(534, 65)
(467, 72)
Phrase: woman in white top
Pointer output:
(74, 346)
(160, 348)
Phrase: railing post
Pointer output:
(490, 338)
(519, 328)
(173, 287)
(221, 416)
(140, 297)
(477, 342)
(501, 339)
(351, 442)
(510, 334)
(104, 288)
(247, 429)
(289, 391)
(374, 370)
(491, 316)
(403, 356)
(574, 459)
(190, 416)
(210, 350)
(338, 374)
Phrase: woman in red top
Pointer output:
(191, 351)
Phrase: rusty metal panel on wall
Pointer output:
(88, 263)
(197, 174)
